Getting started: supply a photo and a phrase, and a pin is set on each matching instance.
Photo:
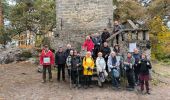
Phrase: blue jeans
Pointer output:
(115, 80)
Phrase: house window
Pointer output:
(137, 35)
(144, 35)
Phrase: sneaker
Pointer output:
(43, 81)
(79, 86)
(148, 92)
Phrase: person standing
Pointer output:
(117, 27)
(144, 67)
(101, 69)
(105, 35)
(68, 62)
(128, 63)
(106, 52)
(76, 69)
(60, 61)
(88, 44)
(97, 43)
(88, 66)
(113, 66)
(67, 51)
(137, 58)
(47, 61)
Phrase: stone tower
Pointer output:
(77, 17)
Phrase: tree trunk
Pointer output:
(1, 15)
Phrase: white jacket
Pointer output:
(101, 65)
(109, 64)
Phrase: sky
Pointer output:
(11, 2)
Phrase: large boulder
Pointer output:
(10, 55)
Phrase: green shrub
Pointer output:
(26, 54)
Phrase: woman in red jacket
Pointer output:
(46, 60)
(88, 44)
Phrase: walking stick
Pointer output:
(78, 76)
(70, 78)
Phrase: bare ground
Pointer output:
(22, 82)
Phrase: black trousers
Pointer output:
(61, 67)
(130, 78)
(75, 76)
(47, 67)
(87, 80)
(136, 72)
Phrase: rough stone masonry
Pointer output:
(77, 18)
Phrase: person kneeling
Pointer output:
(101, 69)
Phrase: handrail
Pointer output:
(124, 30)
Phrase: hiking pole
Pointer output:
(70, 78)
(78, 77)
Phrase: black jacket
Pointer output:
(105, 51)
(97, 40)
(144, 66)
(67, 52)
(104, 36)
(75, 63)
(60, 58)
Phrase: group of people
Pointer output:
(97, 56)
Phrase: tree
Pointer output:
(129, 9)
(4, 37)
(36, 16)
(1, 15)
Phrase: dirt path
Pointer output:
(22, 82)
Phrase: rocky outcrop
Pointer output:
(10, 55)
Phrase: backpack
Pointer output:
(115, 73)
(90, 58)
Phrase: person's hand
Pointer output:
(126, 63)
(130, 66)
(88, 68)
(52, 66)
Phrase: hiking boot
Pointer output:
(141, 92)
(130, 88)
(50, 80)
(90, 86)
(148, 93)
(74, 85)
(85, 87)
(115, 88)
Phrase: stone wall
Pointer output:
(83, 14)
(80, 18)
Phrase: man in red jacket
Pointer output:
(46, 60)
